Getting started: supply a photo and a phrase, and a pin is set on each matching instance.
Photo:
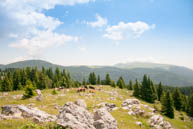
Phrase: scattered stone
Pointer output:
(112, 98)
(31, 104)
(158, 122)
(134, 107)
(56, 106)
(17, 96)
(39, 95)
(21, 111)
(108, 106)
(139, 123)
(130, 102)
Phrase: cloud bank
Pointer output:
(35, 30)
(125, 30)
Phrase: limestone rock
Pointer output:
(21, 111)
(39, 96)
(108, 106)
(104, 120)
(80, 103)
(75, 117)
(158, 122)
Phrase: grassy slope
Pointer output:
(125, 121)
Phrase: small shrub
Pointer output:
(54, 92)
(29, 91)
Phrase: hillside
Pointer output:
(167, 74)
(52, 103)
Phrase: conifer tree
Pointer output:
(98, 80)
(16, 80)
(84, 81)
(130, 86)
(154, 95)
(92, 78)
(159, 91)
(136, 92)
(108, 79)
(121, 83)
(167, 105)
(190, 105)
(184, 103)
(29, 90)
(147, 90)
(43, 81)
(6, 84)
(177, 99)
(113, 83)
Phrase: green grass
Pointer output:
(124, 120)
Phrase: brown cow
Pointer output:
(81, 90)
(91, 91)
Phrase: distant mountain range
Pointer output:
(168, 74)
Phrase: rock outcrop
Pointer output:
(158, 122)
(76, 116)
(21, 111)
(104, 120)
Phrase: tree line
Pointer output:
(32, 78)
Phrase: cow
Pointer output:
(92, 87)
(81, 90)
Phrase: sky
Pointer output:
(97, 32)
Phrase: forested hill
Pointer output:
(167, 74)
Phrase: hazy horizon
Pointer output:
(97, 32)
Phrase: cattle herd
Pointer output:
(91, 89)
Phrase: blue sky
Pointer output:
(97, 32)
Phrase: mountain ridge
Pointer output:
(167, 74)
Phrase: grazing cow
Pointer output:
(81, 90)
(92, 87)
(86, 87)
(91, 91)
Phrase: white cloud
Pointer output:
(83, 49)
(12, 35)
(124, 30)
(45, 39)
(37, 28)
(100, 21)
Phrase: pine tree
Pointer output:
(154, 95)
(130, 86)
(29, 90)
(121, 83)
(113, 83)
(184, 102)
(190, 105)
(136, 92)
(98, 80)
(108, 79)
(84, 81)
(159, 91)
(16, 80)
(148, 90)
(167, 105)
(92, 78)
(6, 84)
(177, 99)
(43, 81)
